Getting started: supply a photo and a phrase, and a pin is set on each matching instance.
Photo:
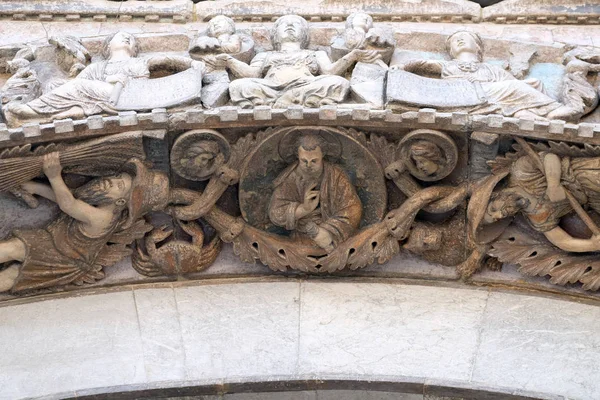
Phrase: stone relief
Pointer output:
(98, 220)
(224, 67)
(478, 87)
(312, 197)
(291, 74)
(115, 84)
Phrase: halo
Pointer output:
(184, 142)
(443, 141)
(288, 145)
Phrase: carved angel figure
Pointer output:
(96, 89)
(504, 93)
(291, 74)
(99, 219)
(315, 198)
(542, 196)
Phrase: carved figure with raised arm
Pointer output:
(542, 197)
(314, 198)
(291, 73)
(98, 220)
(220, 38)
(368, 79)
(97, 88)
(504, 94)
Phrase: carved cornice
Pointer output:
(231, 117)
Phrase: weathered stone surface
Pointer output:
(80, 8)
(518, 335)
(214, 345)
(389, 9)
(71, 344)
(399, 338)
(574, 11)
(402, 336)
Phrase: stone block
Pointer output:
(521, 346)
(214, 344)
(403, 337)
(160, 333)
(88, 331)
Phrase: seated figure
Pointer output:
(291, 74)
(220, 38)
(504, 93)
(96, 89)
(314, 198)
(368, 79)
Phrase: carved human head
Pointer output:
(504, 204)
(310, 155)
(220, 25)
(120, 41)
(290, 28)
(203, 156)
(464, 41)
(359, 20)
(427, 156)
(108, 190)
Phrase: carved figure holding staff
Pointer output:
(545, 187)
(77, 245)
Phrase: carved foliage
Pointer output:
(537, 257)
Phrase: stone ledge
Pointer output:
(97, 10)
(226, 117)
(548, 12)
(450, 341)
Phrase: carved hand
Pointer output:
(208, 43)
(367, 56)
(324, 240)
(556, 193)
(117, 78)
(220, 61)
(311, 201)
(52, 167)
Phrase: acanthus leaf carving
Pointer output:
(537, 257)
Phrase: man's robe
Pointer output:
(339, 211)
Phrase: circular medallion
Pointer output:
(197, 154)
(276, 156)
(429, 155)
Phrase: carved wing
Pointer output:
(537, 257)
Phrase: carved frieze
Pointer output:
(307, 158)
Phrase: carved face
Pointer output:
(118, 186)
(310, 162)
(362, 21)
(122, 41)
(221, 25)
(427, 156)
(289, 30)
(502, 205)
(425, 165)
(463, 42)
(203, 160)
(107, 190)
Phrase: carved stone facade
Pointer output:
(312, 147)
